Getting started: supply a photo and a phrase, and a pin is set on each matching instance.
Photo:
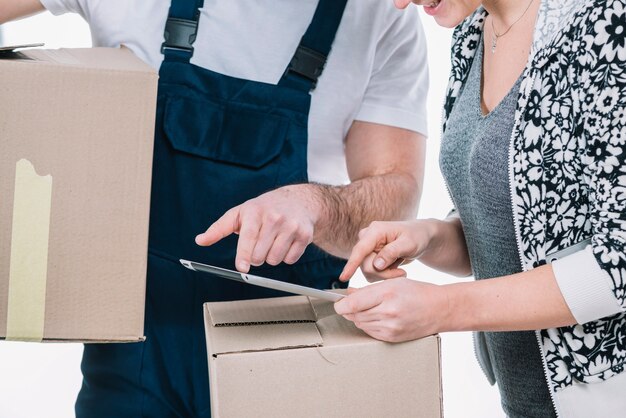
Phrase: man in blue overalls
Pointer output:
(235, 152)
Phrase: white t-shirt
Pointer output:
(376, 72)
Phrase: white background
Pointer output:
(42, 380)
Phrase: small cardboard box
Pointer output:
(294, 357)
(76, 140)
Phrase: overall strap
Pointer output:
(308, 62)
(181, 29)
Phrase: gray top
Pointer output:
(474, 162)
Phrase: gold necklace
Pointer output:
(495, 36)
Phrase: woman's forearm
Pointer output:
(525, 301)
(447, 250)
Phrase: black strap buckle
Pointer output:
(180, 34)
(307, 63)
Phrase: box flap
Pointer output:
(260, 325)
(261, 311)
(108, 59)
(335, 329)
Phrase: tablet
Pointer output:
(263, 281)
(12, 48)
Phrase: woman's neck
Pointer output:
(506, 12)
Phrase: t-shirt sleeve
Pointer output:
(398, 88)
(59, 7)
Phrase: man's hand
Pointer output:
(16, 9)
(397, 310)
(274, 227)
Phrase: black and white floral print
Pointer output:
(568, 162)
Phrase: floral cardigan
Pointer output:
(567, 175)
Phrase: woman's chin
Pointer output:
(447, 21)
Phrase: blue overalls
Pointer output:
(219, 141)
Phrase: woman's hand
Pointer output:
(403, 309)
(397, 310)
(384, 246)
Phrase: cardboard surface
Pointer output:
(348, 375)
(86, 118)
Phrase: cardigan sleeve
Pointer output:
(603, 102)
(585, 286)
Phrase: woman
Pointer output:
(533, 152)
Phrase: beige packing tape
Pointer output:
(29, 254)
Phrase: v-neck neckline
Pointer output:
(479, 60)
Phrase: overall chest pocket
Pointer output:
(235, 134)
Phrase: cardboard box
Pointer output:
(294, 357)
(76, 139)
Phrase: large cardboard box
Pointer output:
(76, 139)
(294, 357)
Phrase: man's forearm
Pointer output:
(16, 9)
(345, 210)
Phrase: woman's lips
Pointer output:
(432, 8)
